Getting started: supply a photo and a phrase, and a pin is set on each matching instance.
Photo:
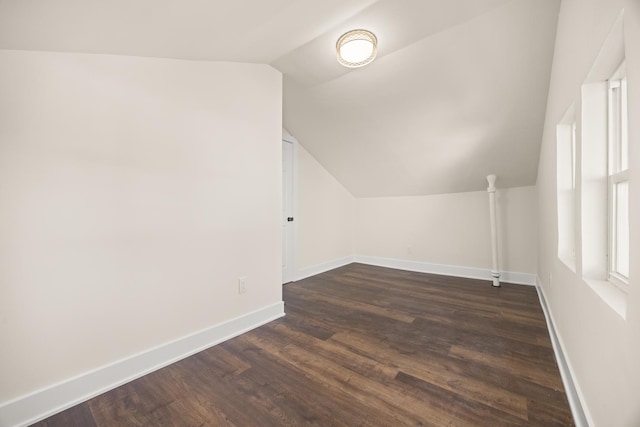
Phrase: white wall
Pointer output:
(334, 228)
(325, 216)
(602, 348)
(450, 229)
(133, 193)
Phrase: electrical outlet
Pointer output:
(242, 285)
(409, 250)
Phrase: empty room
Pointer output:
(329, 213)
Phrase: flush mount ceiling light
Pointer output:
(356, 48)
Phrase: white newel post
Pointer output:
(495, 272)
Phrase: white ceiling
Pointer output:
(458, 90)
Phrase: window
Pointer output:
(618, 179)
(603, 175)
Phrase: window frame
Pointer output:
(617, 170)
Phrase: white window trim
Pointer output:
(593, 164)
(614, 277)
(615, 172)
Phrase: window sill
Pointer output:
(615, 297)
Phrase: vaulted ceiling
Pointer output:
(458, 90)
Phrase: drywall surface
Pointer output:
(602, 348)
(133, 194)
(450, 229)
(325, 215)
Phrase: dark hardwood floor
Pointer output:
(361, 345)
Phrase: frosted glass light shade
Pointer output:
(356, 48)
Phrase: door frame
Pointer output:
(294, 190)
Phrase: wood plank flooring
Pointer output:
(361, 346)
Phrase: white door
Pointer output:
(287, 211)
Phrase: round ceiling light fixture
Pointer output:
(357, 48)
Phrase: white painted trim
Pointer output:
(289, 138)
(43, 403)
(294, 203)
(296, 210)
(447, 270)
(321, 268)
(294, 258)
(581, 415)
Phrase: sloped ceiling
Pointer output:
(458, 90)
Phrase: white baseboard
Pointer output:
(447, 270)
(43, 403)
(579, 412)
(321, 268)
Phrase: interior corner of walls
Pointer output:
(43, 403)
(518, 278)
(320, 169)
(447, 270)
(305, 272)
(326, 213)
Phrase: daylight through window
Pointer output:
(618, 178)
